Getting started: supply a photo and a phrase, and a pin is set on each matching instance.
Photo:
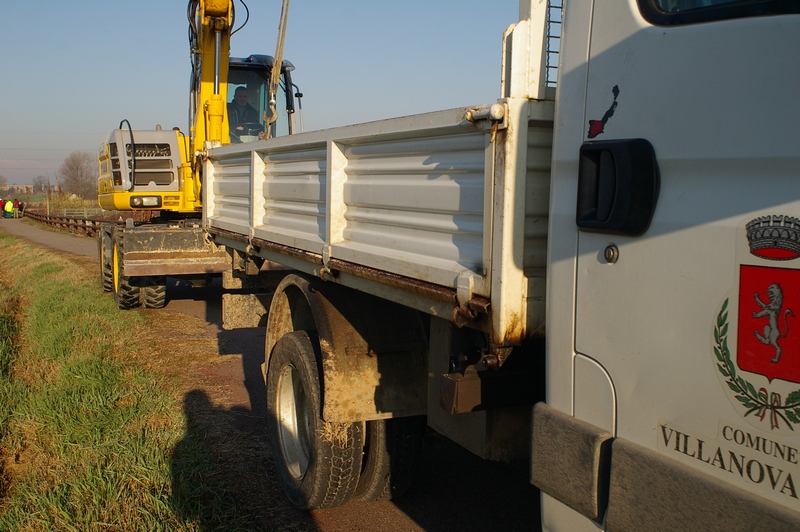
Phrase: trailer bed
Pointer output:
(408, 209)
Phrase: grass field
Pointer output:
(91, 437)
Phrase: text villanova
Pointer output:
(754, 458)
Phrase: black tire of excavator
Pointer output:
(126, 296)
(154, 293)
(106, 262)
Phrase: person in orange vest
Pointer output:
(15, 206)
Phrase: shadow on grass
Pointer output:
(222, 473)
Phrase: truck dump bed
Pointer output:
(438, 211)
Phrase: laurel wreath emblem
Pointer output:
(762, 403)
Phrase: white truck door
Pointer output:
(689, 297)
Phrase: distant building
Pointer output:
(6, 190)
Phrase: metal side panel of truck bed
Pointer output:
(443, 204)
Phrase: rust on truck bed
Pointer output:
(418, 287)
(267, 245)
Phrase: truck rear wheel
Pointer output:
(154, 292)
(317, 462)
(391, 458)
(126, 296)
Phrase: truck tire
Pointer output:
(317, 462)
(126, 296)
(154, 292)
(106, 262)
(391, 458)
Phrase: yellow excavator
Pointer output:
(232, 100)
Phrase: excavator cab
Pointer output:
(151, 170)
(248, 99)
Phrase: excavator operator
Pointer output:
(242, 117)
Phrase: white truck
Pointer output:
(621, 250)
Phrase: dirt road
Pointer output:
(223, 396)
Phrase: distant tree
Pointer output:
(78, 175)
(3, 181)
(39, 183)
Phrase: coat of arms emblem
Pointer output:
(760, 362)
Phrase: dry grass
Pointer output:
(93, 435)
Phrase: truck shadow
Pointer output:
(249, 343)
(222, 474)
(456, 490)
(214, 488)
(239, 488)
(223, 478)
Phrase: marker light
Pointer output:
(145, 201)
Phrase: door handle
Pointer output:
(618, 184)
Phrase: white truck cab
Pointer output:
(671, 318)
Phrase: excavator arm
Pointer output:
(210, 24)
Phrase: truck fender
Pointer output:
(373, 352)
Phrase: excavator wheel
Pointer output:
(317, 462)
(126, 296)
(154, 292)
(104, 251)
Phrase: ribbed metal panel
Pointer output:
(415, 206)
(410, 202)
(294, 191)
(231, 188)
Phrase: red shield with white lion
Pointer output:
(756, 334)
(769, 331)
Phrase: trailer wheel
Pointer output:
(106, 261)
(391, 458)
(317, 462)
(154, 293)
(126, 296)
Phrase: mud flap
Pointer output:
(570, 460)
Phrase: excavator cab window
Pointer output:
(248, 99)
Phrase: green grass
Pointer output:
(90, 438)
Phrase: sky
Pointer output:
(71, 71)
